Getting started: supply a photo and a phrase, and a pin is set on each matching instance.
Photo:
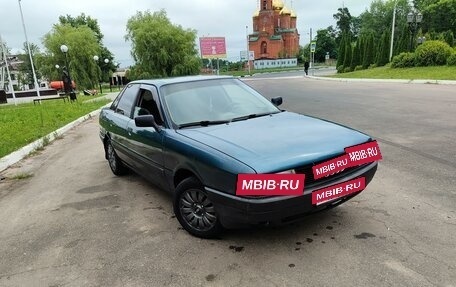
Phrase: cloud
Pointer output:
(226, 18)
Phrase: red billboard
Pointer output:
(212, 47)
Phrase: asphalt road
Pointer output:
(75, 224)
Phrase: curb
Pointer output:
(435, 82)
(19, 154)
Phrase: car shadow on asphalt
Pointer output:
(311, 226)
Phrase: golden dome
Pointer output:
(285, 10)
(293, 14)
(277, 4)
(257, 13)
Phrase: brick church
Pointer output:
(274, 31)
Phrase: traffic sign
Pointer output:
(313, 45)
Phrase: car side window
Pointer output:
(127, 100)
(147, 105)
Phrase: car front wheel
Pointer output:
(194, 210)
(116, 165)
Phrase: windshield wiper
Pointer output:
(251, 116)
(203, 123)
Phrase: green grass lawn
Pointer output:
(25, 123)
(424, 73)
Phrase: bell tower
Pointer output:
(265, 5)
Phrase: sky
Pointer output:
(215, 18)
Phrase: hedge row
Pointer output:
(430, 53)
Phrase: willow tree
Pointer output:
(82, 46)
(161, 48)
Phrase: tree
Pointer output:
(341, 53)
(449, 37)
(356, 55)
(369, 51)
(325, 43)
(379, 18)
(160, 48)
(403, 40)
(305, 52)
(383, 50)
(440, 16)
(348, 52)
(87, 21)
(26, 67)
(83, 20)
(343, 20)
(82, 46)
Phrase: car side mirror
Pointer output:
(147, 121)
(277, 101)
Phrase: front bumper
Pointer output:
(235, 211)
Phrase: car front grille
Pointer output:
(311, 181)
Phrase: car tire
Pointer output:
(195, 212)
(115, 163)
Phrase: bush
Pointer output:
(359, 67)
(372, 66)
(347, 70)
(403, 60)
(340, 69)
(432, 53)
(451, 61)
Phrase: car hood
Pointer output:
(277, 142)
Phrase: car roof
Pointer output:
(166, 81)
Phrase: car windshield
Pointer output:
(213, 101)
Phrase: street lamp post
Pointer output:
(116, 64)
(414, 18)
(110, 83)
(96, 58)
(247, 41)
(67, 77)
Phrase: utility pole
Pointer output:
(29, 52)
(247, 41)
(310, 47)
(392, 31)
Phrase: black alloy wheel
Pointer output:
(194, 210)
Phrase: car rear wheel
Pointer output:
(116, 165)
(194, 210)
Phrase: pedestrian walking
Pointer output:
(306, 67)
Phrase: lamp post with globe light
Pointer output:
(66, 74)
(100, 75)
(414, 18)
(116, 64)
(96, 58)
(106, 61)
